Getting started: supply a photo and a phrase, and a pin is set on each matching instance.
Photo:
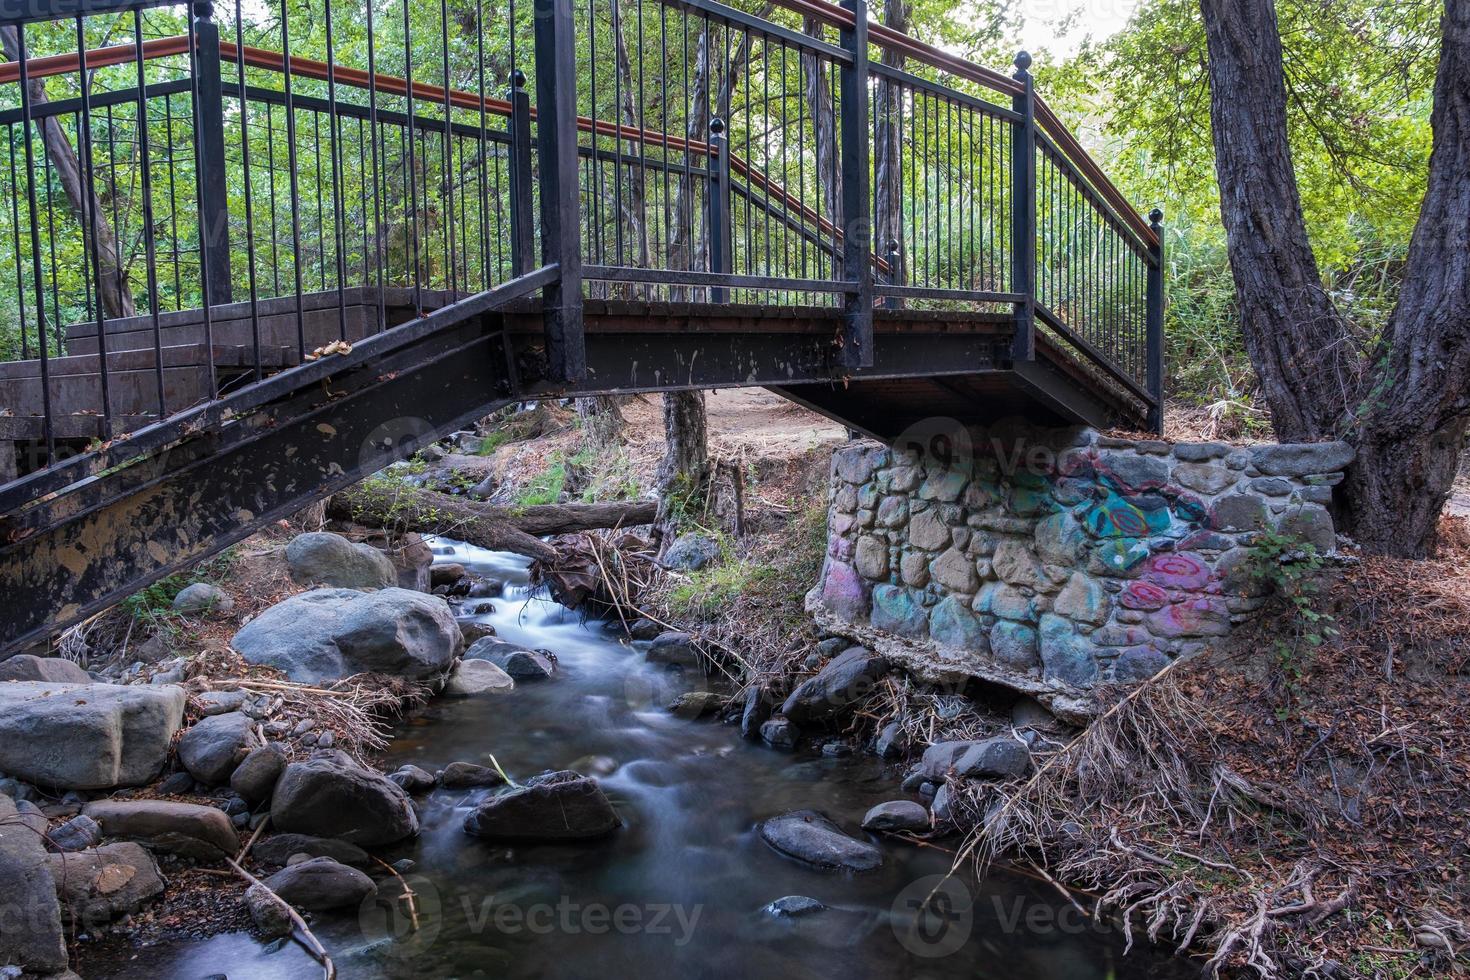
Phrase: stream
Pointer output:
(680, 889)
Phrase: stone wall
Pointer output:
(1054, 560)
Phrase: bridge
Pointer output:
(253, 252)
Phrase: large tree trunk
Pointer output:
(686, 450)
(112, 286)
(634, 217)
(1417, 400)
(602, 420)
(1295, 336)
(517, 529)
(818, 94)
(1406, 405)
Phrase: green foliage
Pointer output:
(1290, 568)
(492, 442)
(545, 487)
(153, 605)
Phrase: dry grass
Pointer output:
(1319, 829)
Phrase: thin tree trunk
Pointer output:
(602, 420)
(634, 211)
(818, 92)
(113, 288)
(887, 147)
(1417, 401)
(1296, 338)
(686, 450)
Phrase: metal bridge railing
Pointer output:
(201, 195)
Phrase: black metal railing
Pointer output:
(200, 195)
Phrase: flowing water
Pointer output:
(679, 890)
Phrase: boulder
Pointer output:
(268, 912)
(51, 670)
(644, 629)
(467, 775)
(32, 939)
(320, 884)
(201, 598)
(448, 573)
(793, 907)
(474, 677)
(897, 815)
(810, 837)
(216, 745)
(220, 702)
(30, 815)
(520, 663)
(324, 558)
(780, 734)
(278, 849)
(691, 552)
(1001, 757)
(555, 807)
(187, 829)
(891, 742)
(847, 679)
(85, 737)
(1301, 458)
(693, 705)
(255, 778)
(98, 885)
(412, 560)
(675, 648)
(328, 634)
(758, 707)
(330, 797)
(77, 834)
(413, 780)
(472, 631)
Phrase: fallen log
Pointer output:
(516, 529)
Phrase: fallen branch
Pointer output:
(303, 933)
(516, 529)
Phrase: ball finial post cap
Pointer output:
(518, 78)
(717, 125)
(1156, 216)
(1023, 60)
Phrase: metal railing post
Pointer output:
(214, 200)
(857, 202)
(556, 137)
(1023, 213)
(522, 231)
(719, 206)
(1154, 321)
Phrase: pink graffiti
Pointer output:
(1143, 595)
(1180, 570)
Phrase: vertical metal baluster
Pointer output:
(375, 131)
(1155, 323)
(451, 253)
(335, 131)
(270, 163)
(522, 217)
(413, 194)
(717, 220)
(484, 169)
(25, 345)
(209, 182)
(291, 180)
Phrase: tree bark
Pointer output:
(887, 146)
(634, 216)
(824, 128)
(1414, 411)
(686, 450)
(517, 529)
(115, 293)
(602, 419)
(1296, 338)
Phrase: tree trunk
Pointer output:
(517, 529)
(112, 287)
(634, 216)
(1417, 401)
(887, 147)
(1296, 338)
(602, 420)
(686, 450)
(824, 127)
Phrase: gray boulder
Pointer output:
(413, 780)
(85, 737)
(793, 907)
(219, 702)
(328, 797)
(201, 598)
(255, 778)
(468, 775)
(759, 704)
(32, 940)
(328, 634)
(102, 884)
(278, 849)
(519, 662)
(691, 552)
(269, 913)
(897, 815)
(324, 558)
(1301, 458)
(186, 829)
(674, 648)
(475, 677)
(320, 884)
(216, 745)
(77, 834)
(51, 670)
(555, 807)
(847, 679)
(1001, 757)
(809, 836)
(780, 733)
